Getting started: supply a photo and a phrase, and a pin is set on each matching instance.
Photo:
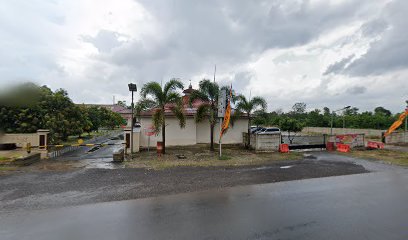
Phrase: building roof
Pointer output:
(113, 107)
(189, 110)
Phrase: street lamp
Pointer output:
(132, 88)
(332, 115)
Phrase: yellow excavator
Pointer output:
(397, 123)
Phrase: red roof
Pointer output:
(187, 109)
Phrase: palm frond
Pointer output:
(242, 104)
(258, 102)
(209, 88)
(198, 95)
(154, 89)
(157, 120)
(144, 104)
(178, 112)
(172, 85)
(202, 112)
(173, 97)
(235, 117)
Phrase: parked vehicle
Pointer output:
(255, 129)
(270, 130)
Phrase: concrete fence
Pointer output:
(263, 142)
(354, 140)
(326, 130)
(397, 137)
(304, 139)
(20, 139)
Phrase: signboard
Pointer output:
(222, 99)
(149, 131)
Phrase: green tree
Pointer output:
(291, 126)
(299, 108)
(122, 104)
(382, 111)
(162, 98)
(248, 106)
(94, 116)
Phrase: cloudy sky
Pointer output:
(322, 52)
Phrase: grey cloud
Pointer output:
(191, 37)
(104, 41)
(356, 90)
(197, 35)
(241, 80)
(390, 53)
(339, 66)
(374, 28)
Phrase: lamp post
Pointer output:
(132, 88)
(332, 115)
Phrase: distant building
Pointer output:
(126, 113)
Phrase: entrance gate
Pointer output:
(305, 142)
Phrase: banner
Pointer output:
(397, 123)
(227, 116)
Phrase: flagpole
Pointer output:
(219, 142)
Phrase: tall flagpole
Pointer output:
(215, 70)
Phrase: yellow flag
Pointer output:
(227, 115)
(397, 123)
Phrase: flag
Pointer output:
(397, 123)
(227, 115)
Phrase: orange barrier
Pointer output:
(330, 146)
(284, 148)
(343, 147)
(375, 145)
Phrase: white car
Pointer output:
(270, 130)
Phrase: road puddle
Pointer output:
(104, 163)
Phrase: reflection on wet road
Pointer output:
(364, 206)
(94, 156)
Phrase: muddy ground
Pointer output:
(47, 189)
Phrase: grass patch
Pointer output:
(3, 158)
(389, 156)
(201, 156)
(7, 168)
(224, 157)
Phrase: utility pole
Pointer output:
(332, 115)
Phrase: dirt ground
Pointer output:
(48, 189)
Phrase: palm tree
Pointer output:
(208, 94)
(162, 97)
(248, 107)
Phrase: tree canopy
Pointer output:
(380, 118)
(29, 107)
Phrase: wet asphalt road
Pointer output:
(94, 152)
(95, 156)
(363, 206)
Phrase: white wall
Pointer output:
(174, 134)
(193, 133)
(233, 135)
